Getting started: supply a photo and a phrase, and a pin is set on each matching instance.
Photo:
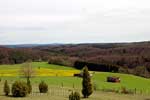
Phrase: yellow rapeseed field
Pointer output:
(39, 72)
(9, 72)
(55, 72)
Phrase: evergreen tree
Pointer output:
(86, 83)
(6, 88)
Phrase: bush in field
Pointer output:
(29, 86)
(87, 88)
(123, 70)
(124, 90)
(141, 71)
(62, 60)
(19, 89)
(56, 60)
(6, 88)
(74, 96)
(43, 87)
(95, 86)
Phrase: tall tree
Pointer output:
(87, 89)
(27, 71)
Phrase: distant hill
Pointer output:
(128, 55)
(28, 45)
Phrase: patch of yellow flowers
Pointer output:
(54, 72)
(40, 72)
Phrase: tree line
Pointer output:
(130, 57)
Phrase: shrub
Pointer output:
(43, 87)
(126, 91)
(74, 96)
(95, 86)
(29, 86)
(6, 88)
(19, 89)
(110, 90)
(123, 70)
(141, 71)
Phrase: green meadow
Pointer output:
(131, 82)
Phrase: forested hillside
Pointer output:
(127, 57)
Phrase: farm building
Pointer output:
(113, 79)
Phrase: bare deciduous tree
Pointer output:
(27, 70)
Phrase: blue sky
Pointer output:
(74, 21)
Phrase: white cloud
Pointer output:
(48, 21)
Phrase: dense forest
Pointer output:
(132, 58)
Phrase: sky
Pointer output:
(74, 21)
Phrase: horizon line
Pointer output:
(75, 43)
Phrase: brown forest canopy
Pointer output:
(124, 54)
(127, 55)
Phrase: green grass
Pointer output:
(37, 65)
(95, 96)
(128, 81)
(99, 78)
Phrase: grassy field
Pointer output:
(41, 69)
(61, 77)
(95, 96)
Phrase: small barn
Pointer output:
(113, 79)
